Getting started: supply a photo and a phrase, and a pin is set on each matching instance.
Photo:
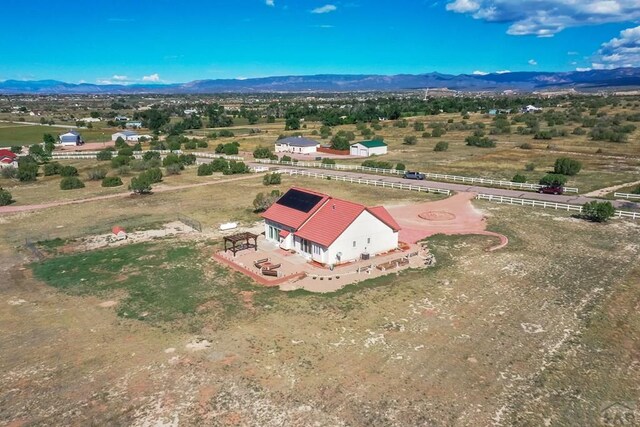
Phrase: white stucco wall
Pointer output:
(371, 236)
(377, 151)
(285, 148)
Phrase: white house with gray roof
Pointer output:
(71, 138)
(298, 145)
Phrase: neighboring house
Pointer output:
(298, 145)
(127, 135)
(119, 233)
(71, 138)
(8, 158)
(134, 125)
(327, 230)
(91, 120)
(530, 109)
(368, 148)
(190, 111)
(121, 118)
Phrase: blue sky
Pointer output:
(131, 41)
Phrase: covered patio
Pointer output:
(240, 242)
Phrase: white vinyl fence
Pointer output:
(551, 205)
(628, 196)
(373, 182)
(216, 156)
(434, 176)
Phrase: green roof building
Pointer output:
(368, 148)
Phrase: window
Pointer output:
(304, 246)
(354, 243)
(317, 250)
(368, 240)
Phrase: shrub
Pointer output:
(226, 133)
(9, 172)
(111, 181)
(5, 197)
(219, 165)
(203, 144)
(410, 140)
(400, 167)
(205, 169)
(567, 166)
(553, 179)
(543, 134)
(426, 134)
(441, 146)
(174, 169)
(519, 178)
(140, 184)
(171, 159)
(272, 179)
(27, 169)
(104, 155)
(526, 146)
(236, 168)
(230, 149)
(263, 201)
(154, 174)
(125, 151)
(16, 149)
(262, 153)
(118, 161)
(327, 161)
(71, 183)
(438, 132)
(377, 164)
(579, 131)
(97, 174)
(52, 168)
(120, 143)
(187, 159)
(597, 211)
(67, 171)
(285, 158)
(418, 126)
(530, 167)
(636, 190)
(150, 155)
(191, 145)
(124, 170)
(480, 141)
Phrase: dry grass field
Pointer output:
(543, 332)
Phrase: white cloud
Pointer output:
(532, 62)
(503, 72)
(324, 9)
(151, 78)
(119, 78)
(544, 18)
(479, 73)
(271, 3)
(621, 51)
(582, 69)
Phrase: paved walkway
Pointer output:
(454, 215)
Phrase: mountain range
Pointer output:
(592, 80)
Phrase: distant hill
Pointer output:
(520, 81)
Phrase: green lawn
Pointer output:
(32, 134)
(156, 281)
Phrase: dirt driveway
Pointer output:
(454, 215)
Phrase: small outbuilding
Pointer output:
(8, 158)
(298, 145)
(368, 148)
(134, 125)
(126, 135)
(119, 233)
(71, 138)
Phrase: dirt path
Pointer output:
(604, 191)
(454, 215)
(13, 209)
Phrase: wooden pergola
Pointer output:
(241, 241)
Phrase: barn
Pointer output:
(328, 230)
(298, 145)
(368, 148)
(71, 138)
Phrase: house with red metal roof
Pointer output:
(328, 230)
(8, 158)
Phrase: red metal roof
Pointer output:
(291, 217)
(330, 221)
(327, 220)
(7, 153)
(117, 229)
(383, 215)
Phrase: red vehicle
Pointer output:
(551, 189)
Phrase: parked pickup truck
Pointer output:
(413, 175)
(551, 189)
